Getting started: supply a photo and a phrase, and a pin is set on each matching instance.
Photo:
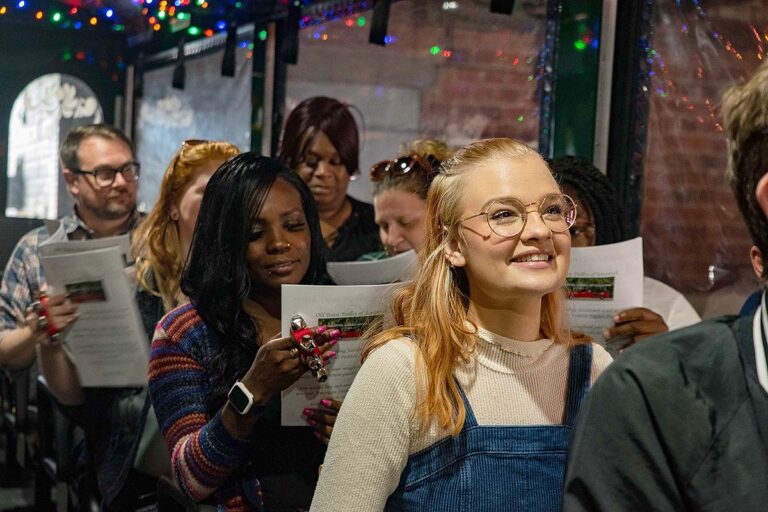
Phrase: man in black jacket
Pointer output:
(680, 422)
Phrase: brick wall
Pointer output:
(481, 82)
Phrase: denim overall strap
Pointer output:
(470, 420)
(495, 468)
(579, 378)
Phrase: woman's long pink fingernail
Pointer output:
(333, 341)
(331, 354)
(322, 329)
(312, 423)
(335, 333)
(325, 402)
(308, 412)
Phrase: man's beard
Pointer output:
(112, 210)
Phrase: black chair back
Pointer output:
(11, 230)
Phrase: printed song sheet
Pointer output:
(388, 270)
(603, 280)
(107, 343)
(54, 245)
(347, 308)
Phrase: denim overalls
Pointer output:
(496, 468)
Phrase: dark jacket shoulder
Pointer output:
(675, 423)
(693, 354)
(692, 382)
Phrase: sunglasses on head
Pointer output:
(404, 165)
(189, 143)
(192, 142)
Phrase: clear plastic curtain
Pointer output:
(694, 236)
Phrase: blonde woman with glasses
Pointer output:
(467, 404)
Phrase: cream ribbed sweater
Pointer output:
(507, 382)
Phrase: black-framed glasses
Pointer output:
(105, 175)
(401, 166)
(507, 217)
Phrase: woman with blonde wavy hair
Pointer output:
(467, 403)
(400, 196)
(161, 243)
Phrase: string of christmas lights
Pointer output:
(706, 111)
(199, 18)
(68, 18)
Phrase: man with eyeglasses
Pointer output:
(680, 422)
(101, 173)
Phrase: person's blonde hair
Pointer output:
(156, 247)
(432, 310)
(432, 152)
(427, 147)
(745, 118)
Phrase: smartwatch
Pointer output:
(241, 399)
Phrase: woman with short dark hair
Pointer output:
(216, 367)
(321, 143)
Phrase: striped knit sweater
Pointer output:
(204, 455)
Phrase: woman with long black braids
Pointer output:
(602, 220)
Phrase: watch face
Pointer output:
(239, 400)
